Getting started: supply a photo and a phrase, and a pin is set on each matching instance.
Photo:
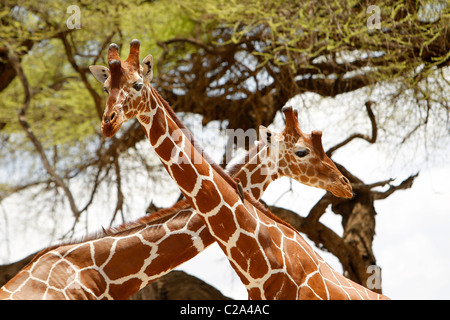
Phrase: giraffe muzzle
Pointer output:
(343, 189)
(110, 124)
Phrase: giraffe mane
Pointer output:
(132, 226)
(41, 253)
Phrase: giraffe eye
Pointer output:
(138, 86)
(302, 153)
(106, 90)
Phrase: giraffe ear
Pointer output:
(100, 73)
(147, 64)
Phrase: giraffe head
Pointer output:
(126, 81)
(301, 156)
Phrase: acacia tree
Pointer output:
(236, 63)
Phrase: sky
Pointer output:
(412, 241)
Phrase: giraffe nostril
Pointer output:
(345, 180)
(112, 116)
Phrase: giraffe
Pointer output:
(270, 257)
(151, 246)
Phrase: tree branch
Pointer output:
(119, 204)
(406, 184)
(164, 44)
(370, 139)
(319, 209)
(82, 73)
